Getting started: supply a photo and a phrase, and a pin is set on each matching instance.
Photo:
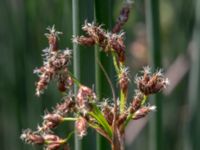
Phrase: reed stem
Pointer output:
(102, 15)
(76, 56)
(153, 29)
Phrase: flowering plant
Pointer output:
(107, 117)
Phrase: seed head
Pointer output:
(142, 112)
(108, 113)
(52, 120)
(85, 96)
(52, 37)
(150, 84)
(107, 41)
(137, 101)
(66, 106)
(81, 126)
(32, 138)
(124, 79)
(53, 142)
(54, 68)
(123, 17)
(82, 40)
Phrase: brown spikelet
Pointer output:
(123, 17)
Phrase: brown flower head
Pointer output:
(150, 84)
(66, 106)
(123, 17)
(31, 137)
(95, 32)
(124, 79)
(107, 41)
(137, 101)
(142, 112)
(52, 37)
(53, 142)
(85, 95)
(54, 68)
(81, 126)
(108, 112)
(87, 41)
(52, 120)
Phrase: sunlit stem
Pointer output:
(144, 100)
(69, 136)
(122, 101)
(114, 56)
(123, 95)
(69, 119)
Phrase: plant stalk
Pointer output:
(153, 32)
(102, 15)
(76, 56)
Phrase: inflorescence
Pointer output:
(108, 117)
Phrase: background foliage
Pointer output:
(22, 25)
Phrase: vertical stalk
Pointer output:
(103, 16)
(191, 139)
(152, 18)
(76, 55)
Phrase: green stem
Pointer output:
(64, 140)
(69, 119)
(193, 90)
(122, 101)
(123, 96)
(103, 15)
(76, 56)
(144, 100)
(153, 32)
(114, 56)
(69, 136)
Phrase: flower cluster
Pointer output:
(124, 79)
(81, 126)
(151, 83)
(54, 65)
(52, 119)
(138, 107)
(108, 118)
(51, 141)
(85, 96)
(107, 41)
(123, 17)
(147, 84)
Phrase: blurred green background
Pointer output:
(22, 27)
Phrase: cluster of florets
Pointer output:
(85, 96)
(108, 118)
(54, 65)
(51, 141)
(124, 79)
(147, 84)
(52, 119)
(69, 106)
(151, 83)
(107, 41)
(139, 108)
(55, 68)
(44, 134)
(123, 17)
